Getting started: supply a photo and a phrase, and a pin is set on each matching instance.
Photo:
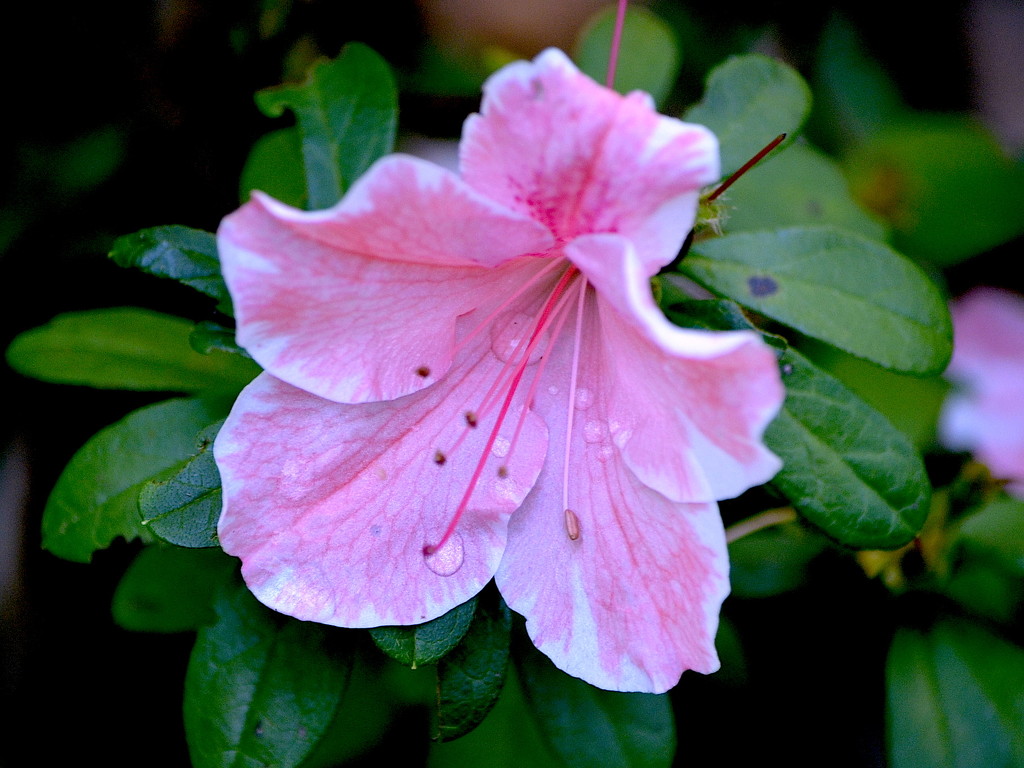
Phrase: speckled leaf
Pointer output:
(260, 689)
(184, 509)
(96, 498)
(591, 728)
(425, 643)
(179, 253)
(346, 114)
(749, 100)
(470, 678)
(853, 293)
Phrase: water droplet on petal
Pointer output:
(622, 437)
(605, 452)
(593, 431)
(584, 398)
(552, 390)
(510, 333)
(500, 447)
(448, 558)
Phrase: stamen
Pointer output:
(503, 471)
(613, 54)
(747, 166)
(439, 458)
(554, 300)
(423, 371)
(573, 377)
(470, 419)
(572, 524)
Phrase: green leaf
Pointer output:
(771, 561)
(997, 530)
(470, 678)
(649, 54)
(955, 698)
(260, 689)
(169, 589)
(184, 509)
(846, 468)
(125, 348)
(800, 186)
(748, 101)
(855, 294)
(943, 183)
(507, 738)
(425, 643)
(180, 253)
(854, 96)
(346, 114)
(588, 727)
(96, 498)
(275, 166)
(208, 337)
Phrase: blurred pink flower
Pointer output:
(468, 378)
(985, 414)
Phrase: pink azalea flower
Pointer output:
(468, 378)
(986, 414)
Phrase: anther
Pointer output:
(439, 458)
(502, 471)
(423, 371)
(470, 418)
(572, 525)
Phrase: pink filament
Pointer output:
(613, 54)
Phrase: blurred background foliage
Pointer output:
(126, 115)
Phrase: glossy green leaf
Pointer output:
(183, 509)
(260, 690)
(800, 186)
(96, 498)
(275, 166)
(179, 253)
(209, 337)
(649, 54)
(169, 589)
(589, 727)
(748, 101)
(125, 348)
(846, 468)
(855, 294)
(470, 678)
(425, 643)
(943, 183)
(955, 698)
(346, 115)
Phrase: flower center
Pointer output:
(522, 341)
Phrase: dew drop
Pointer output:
(552, 390)
(605, 452)
(622, 437)
(593, 431)
(448, 559)
(508, 335)
(500, 447)
(584, 398)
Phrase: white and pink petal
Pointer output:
(329, 506)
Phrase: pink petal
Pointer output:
(552, 143)
(986, 414)
(634, 600)
(688, 407)
(330, 505)
(358, 302)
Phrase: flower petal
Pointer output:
(330, 505)
(633, 600)
(359, 302)
(552, 143)
(689, 407)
